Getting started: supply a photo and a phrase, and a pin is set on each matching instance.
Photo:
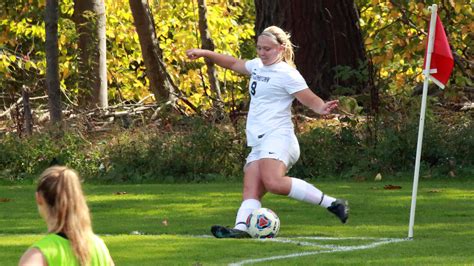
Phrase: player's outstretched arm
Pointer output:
(315, 103)
(226, 61)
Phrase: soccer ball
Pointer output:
(263, 223)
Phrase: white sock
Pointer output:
(246, 208)
(304, 191)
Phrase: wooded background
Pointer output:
(96, 53)
(92, 65)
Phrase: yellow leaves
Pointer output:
(418, 73)
(65, 70)
(196, 98)
(458, 7)
(384, 73)
(67, 7)
(4, 63)
(426, 13)
(62, 40)
(30, 64)
(412, 32)
(368, 41)
(397, 48)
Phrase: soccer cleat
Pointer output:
(340, 208)
(225, 232)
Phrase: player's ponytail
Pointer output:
(283, 38)
(67, 209)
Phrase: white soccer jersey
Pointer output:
(271, 95)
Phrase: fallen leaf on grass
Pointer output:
(5, 199)
(391, 187)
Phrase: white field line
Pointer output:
(332, 248)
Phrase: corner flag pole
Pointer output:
(426, 73)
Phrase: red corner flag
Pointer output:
(442, 59)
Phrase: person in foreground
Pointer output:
(274, 84)
(70, 239)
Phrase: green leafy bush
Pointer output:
(25, 158)
(193, 150)
(326, 152)
(350, 151)
(197, 152)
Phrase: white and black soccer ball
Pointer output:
(263, 223)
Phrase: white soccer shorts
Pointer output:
(280, 145)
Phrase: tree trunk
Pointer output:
(52, 72)
(208, 44)
(161, 83)
(27, 117)
(100, 89)
(89, 17)
(326, 35)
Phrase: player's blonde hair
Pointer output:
(283, 38)
(67, 209)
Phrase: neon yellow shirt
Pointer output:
(58, 251)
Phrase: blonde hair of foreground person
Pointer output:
(61, 203)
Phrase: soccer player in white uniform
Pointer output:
(274, 84)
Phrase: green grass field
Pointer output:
(155, 224)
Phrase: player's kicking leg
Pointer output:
(304, 191)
